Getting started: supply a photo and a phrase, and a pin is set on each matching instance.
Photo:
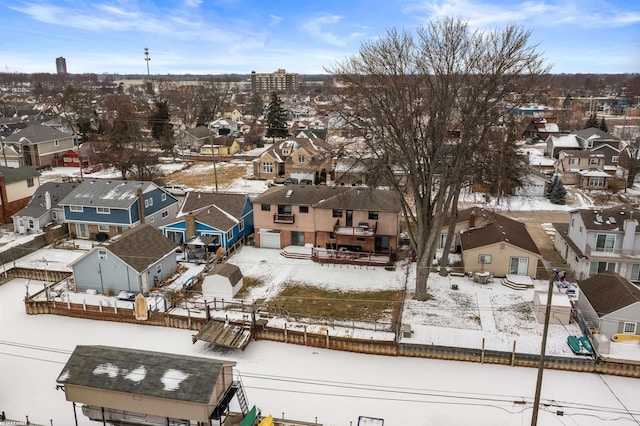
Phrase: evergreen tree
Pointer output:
(559, 194)
(276, 119)
(592, 122)
(552, 185)
(161, 127)
(603, 125)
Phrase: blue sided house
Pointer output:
(210, 221)
(98, 209)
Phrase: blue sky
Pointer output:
(239, 36)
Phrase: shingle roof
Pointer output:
(327, 197)
(57, 191)
(142, 246)
(106, 193)
(37, 133)
(155, 374)
(228, 270)
(18, 174)
(221, 210)
(608, 292)
(499, 229)
(595, 133)
(611, 219)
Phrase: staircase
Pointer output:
(294, 252)
(242, 397)
(517, 282)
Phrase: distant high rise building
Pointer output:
(279, 81)
(61, 65)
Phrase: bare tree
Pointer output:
(414, 91)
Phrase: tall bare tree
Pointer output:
(430, 101)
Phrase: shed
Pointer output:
(121, 384)
(223, 282)
(560, 307)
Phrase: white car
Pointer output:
(177, 189)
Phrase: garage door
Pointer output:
(270, 239)
(302, 175)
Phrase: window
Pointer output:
(337, 212)
(32, 224)
(146, 203)
(484, 259)
(165, 214)
(56, 155)
(573, 222)
(303, 209)
(159, 269)
(267, 167)
(332, 236)
(373, 215)
(54, 215)
(121, 229)
(614, 159)
(300, 158)
(519, 265)
(67, 160)
(241, 225)
(284, 209)
(30, 182)
(597, 267)
(574, 161)
(629, 328)
(103, 228)
(102, 254)
(594, 161)
(265, 207)
(56, 142)
(596, 181)
(150, 202)
(152, 219)
(75, 208)
(635, 272)
(163, 197)
(103, 210)
(229, 234)
(589, 143)
(605, 242)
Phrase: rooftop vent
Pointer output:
(289, 192)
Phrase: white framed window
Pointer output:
(54, 215)
(635, 272)
(594, 161)
(484, 259)
(159, 269)
(574, 161)
(614, 159)
(150, 202)
(103, 228)
(102, 254)
(519, 265)
(56, 142)
(597, 267)
(629, 327)
(267, 167)
(103, 210)
(230, 234)
(596, 181)
(300, 158)
(605, 242)
(241, 225)
(78, 209)
(163, 197)
(146, 203)
(165, 214)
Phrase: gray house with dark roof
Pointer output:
(43, 208)
(611, 303)
(136, 261)
(17, 186)
(129, 384)
(101, 208)
(40, 145)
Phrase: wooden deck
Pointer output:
(227, 334)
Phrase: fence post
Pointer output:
(285, 333)
(305, 335)
(513, 354)
(327, 339)
(482, 353)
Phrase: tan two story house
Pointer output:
(336, 218)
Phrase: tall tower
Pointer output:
(61, 65)
(147, 58)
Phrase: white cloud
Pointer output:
(275, 20)
(317, 28)
(193, 3)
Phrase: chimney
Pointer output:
(140, 205)
(47, 200)
(190, 225)
(472, 219)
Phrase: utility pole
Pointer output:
(543, 349)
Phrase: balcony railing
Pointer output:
(610, 253)
(283, 218)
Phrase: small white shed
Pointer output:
(223, 282)
(560, 307)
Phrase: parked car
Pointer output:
(306, 182)
(177, 189)
(92, 169)
(291, 181)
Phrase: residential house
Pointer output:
(71, 158)
(17, 186)
(596, 240)
(496, 244)
(194, 138)
(121, 385)
(610, 304)
(349, 218)
(593, 137)
(224, 127)
(137, 261)
(590, 169)
(557, 143)
(43, 208)
(535, 184)
(40, 145)
(540, 127)
(99, 209)
(300, 158)
(221, 145)
(208, 221)
(234, 115)
(9, 157)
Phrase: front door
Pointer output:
(349, 218)
(82, 231)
